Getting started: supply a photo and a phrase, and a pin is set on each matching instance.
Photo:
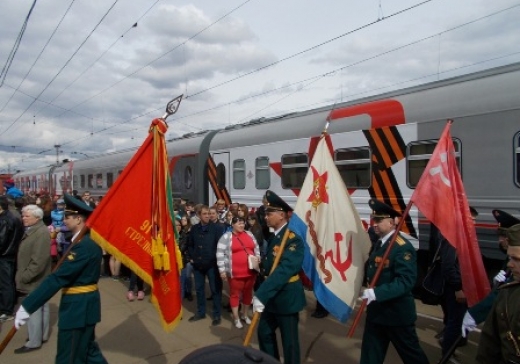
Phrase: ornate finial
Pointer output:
(172, 106)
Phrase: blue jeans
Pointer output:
(186, 284)
(215, 285)
(7, 285)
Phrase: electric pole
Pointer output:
(57, 146)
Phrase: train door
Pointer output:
(219, 178)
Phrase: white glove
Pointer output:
(257, 305)
(468, 324)
(369, 295)
(21, 317)
(500, 277)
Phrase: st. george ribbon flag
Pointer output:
(134, 223)
(441, 198)
(337, 245)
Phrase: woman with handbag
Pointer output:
(238, 258)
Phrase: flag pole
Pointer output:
(380, 268)
(13, 330)
(256, 315)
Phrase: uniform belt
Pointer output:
(80, 289)
(293, 279)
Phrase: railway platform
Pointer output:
(130, 333)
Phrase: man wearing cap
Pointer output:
(500, 337)
(391, 313)
(77, 277)
(478, 313)
(280, 297)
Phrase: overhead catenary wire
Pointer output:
(327, 73)
(38, 56)
(12, 54)
(97, 59)
(61, 69)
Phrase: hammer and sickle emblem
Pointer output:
(438, 170)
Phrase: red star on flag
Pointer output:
(319, 192)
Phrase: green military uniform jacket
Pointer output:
(495, 346)
(81, 267)
(394, 305)
(276, 292)
(480, 311)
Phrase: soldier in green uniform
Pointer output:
(500, 337)
(280, 297)
(80, 306)
(478, 313)
(391, 313)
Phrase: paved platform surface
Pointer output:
(130, 333)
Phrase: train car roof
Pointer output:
(187, 144)
(32, 172)
(440, 102)
(108, 160)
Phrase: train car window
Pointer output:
(294, 170)
(262, 174)
(517, 159)
(90, 181)
(188, 178)
(110, 179)
(75, 182)
(99, 180)
(82, 181)
(354, 166)
(239, 174)
(418, 155)
(221, 176)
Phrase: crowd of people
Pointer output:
(252, 254)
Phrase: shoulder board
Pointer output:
(291, 235)
(508, 285)
(400, 241)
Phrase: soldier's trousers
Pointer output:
(376, 339)
(79, 346)
(288, 325)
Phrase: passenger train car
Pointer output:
(381, 147)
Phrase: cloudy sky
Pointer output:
(84, 77)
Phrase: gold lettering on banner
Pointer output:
(146, 226)
(139, 239)
(164, 286)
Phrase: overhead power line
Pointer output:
(62, 68)
(17, 42)
(38, 57)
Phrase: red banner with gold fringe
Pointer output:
(134, 223)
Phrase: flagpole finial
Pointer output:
(449, 121)
(172, 107)
(325, 129)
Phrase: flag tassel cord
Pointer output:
(380, 268)
(256, 315)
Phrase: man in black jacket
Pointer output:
(11, 232)
(202, 249)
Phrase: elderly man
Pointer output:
(280, 297)
(33, 265)
(77, 277)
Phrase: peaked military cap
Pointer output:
(382, 210)
(228, 354)
(513, 235)
(275, 202)
(76, 207)
(505, 221)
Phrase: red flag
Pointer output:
(134, 223)
(440, 196)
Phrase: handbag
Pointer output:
(433, 282)
(252, 262)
